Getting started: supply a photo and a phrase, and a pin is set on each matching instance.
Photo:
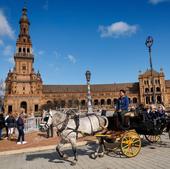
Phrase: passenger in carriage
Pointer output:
(161, 111)
(154, 114)
(122, 107)
(146, 113)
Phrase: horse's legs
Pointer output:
(73, 144)
(59, 149)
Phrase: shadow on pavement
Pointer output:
(54, 157)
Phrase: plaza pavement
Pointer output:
(152, 156)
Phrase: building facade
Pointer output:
(26, 92)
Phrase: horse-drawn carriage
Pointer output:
(127, 140)
(70, 126)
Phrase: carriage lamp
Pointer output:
(88, 75)
(149, 43)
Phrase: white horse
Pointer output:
(70, 127)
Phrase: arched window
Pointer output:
(135, 100)
(83, 102)
(159, 99)
(147, 100)
(63, 103)
(109, 102)
(102, 102)
(24, 50)
(146, 90)
(158, 89)
(115, 101)
(28, 50)
(49, 102)
(151, 89)
(24, 106)
(96, 102)
(19, 50)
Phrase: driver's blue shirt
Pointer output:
(123, 103)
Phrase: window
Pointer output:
(102, 102)
(24, 50)
(159, 99)
(158, 89)
(24, 40)
(109, 102)
(96, 102)
(23, 67)
(146, 90)
(9, 108)
(135, 100)
(24, 30)
(83, 102)
(147, 100)
(28, 50)
(115, 101)
(36, 107)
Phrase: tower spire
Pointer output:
(24, 44)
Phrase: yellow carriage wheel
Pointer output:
(130, 144)
(153, 138)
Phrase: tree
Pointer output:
(2, 92)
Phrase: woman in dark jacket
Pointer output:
(20, 127)
(2, 124)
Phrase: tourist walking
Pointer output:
(11, 124)
(20, 127)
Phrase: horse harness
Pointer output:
(65, 123)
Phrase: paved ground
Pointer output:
(151, 157)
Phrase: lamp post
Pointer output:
(148, 43)
(89, 99)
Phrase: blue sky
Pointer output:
(105, 36)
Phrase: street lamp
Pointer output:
(148, 43)
(89, 99)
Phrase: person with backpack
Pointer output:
(11, 124)
(20, 127)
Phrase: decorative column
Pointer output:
(89, 99)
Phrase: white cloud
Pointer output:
(155, 2)
(5, 28)
(71, 58)
(8, 50)
(117, 29)
(45, 6)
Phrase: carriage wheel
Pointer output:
(130, 144)
(153, 138)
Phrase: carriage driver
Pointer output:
(122, 107)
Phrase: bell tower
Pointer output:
(24, 57)
(23, 84)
